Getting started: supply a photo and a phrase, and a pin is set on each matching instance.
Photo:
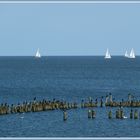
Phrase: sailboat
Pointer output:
(107, 55)
(38, 55)
(126, 54)
(132, 53)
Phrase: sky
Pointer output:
(69, 29)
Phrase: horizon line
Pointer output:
(71, 2)
(60, 55)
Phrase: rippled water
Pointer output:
(70, 79)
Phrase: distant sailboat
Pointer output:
(132, 53)
(38, 55)
(107, 55)
(126, 54)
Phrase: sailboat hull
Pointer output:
(132, 57)
(108, 57)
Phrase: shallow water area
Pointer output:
(71, 79)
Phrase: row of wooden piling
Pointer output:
(44, 105)
(91, 114)
(119, 114)
(111, 102)
(36, 106)
(130, 102)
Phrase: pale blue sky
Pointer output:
(69, 29)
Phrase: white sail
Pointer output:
(107, 55)
(132, 54)
(38, 53)
(126, 54)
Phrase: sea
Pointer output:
(68, 78)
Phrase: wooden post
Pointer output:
(131, 114)
(110, 114)
(136, 114)
(89, 114)
(93, 114)
(65, 115)
(121, 113)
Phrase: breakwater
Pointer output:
(44, 105)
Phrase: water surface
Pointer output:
(70, 79)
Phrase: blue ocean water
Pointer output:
(71, 79)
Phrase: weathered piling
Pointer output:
(136, 114)
(91, 104)
(90, 99)
(117, 114)
(75, 105)
(96, 102)
(106, 99)
(82, 104)
(93, 114)
(121, 114)
(65, 116)
(110, 114)
(131, 114)
(110, 97)
(101, 103)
